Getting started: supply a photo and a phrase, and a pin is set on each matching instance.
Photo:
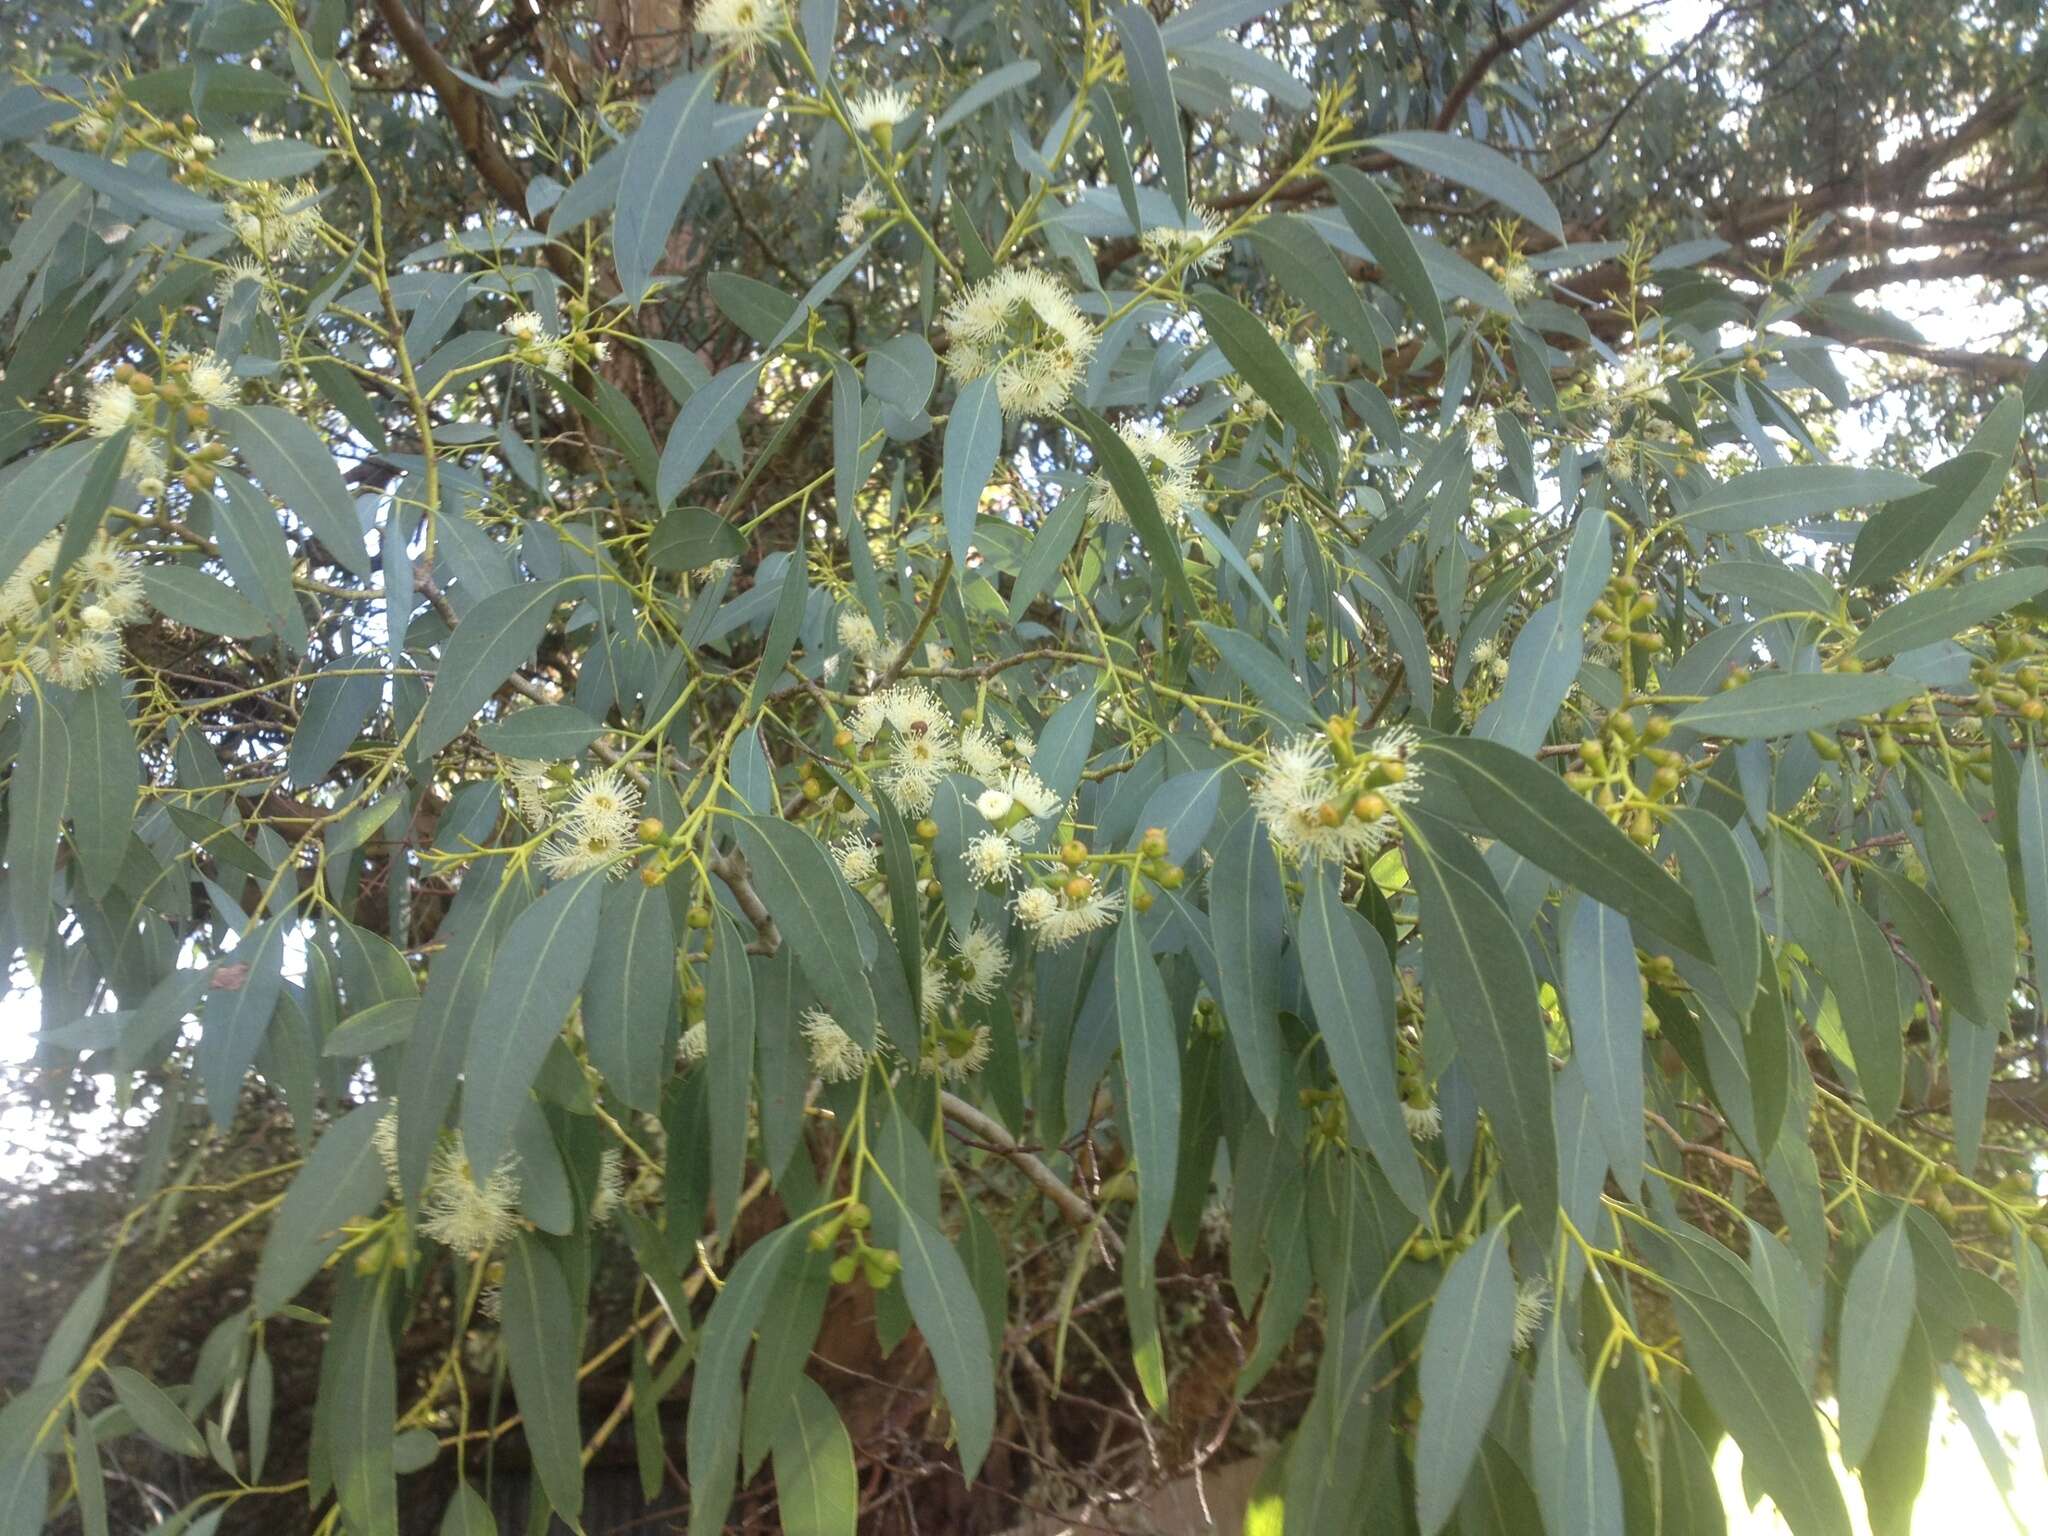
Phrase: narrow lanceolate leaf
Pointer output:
(342, 1180)
(730, 1020)
(35, 814)
(291, 462)
(1768, 498)
(1373, 219)
(2033, 1271)
(1247, 924)
(360, 1420)
(816, 1490)
(2031, 816)
(1877, 1311)
(1531, 809)
(239, 1005)
(1472, 164)
(1943, 612)
(1151, 1076)
(1603, 995)
(629, 997)
(1479, 978)
(538, 971)
(663, 158)
(1903, 531)
(974, 437)
(1133, 489)
(712, 1436)
(1251, 350)
(1303, 264)
(1714, 871)
(1351, 986)
(155, 1413)
(1751, 1383)
(811, 905)
(540, 1329)
(942, 1302)
(705, 418)
(1465, 1355)
(1152, 91)
(497, 635)
(1578, 1484)
(1270, 679)
(1782, 703)
(105, 779)
(1970, 875)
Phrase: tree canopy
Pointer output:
(917, 761)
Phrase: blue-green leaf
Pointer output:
(1472, 164)
(974, 436)
(295, 466)
(1877, 1312)
(1465, 1354)
(540, 1328)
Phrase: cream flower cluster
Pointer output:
(536, 345)
(455, 1208)
(1021, 325)
(1059, 915)
(1197, 245)
(736, 28)
(1315, 809)
(855, 212)
(111, 408)
(867, 644)
(920, 742)
(278, 223)
(1168, 460)
(879, 109)
(836, 1056)
(79, 642)
(598, 825)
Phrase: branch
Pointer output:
(1503, 44)
(1072, 1206)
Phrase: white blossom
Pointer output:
(458, 1211)
(1021, 325)
(1532, 1305)
(835, 1055)
(883, 108)
(956, 1055)
(857, 860)
(738, 27)
(1198, 245)
(985, 961)
(992, 859)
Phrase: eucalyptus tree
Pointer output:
(1156, 700)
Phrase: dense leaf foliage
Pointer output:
(1208, 680)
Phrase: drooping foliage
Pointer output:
(1156, 700)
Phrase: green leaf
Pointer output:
(363, 1380)
(705, 418)
(790, 598)
(156, 196)
(1534, 812)
(40, 494)
(540, 1330)
(629, 997)
(239, 1007)
(997, 82)
(1768, 498)
(498, 635)
(1304, 266)
(1970, 874)
(337, 705)
(74, 1330)
(1877, 1311)
(534, 979)
(813, 907)
(730, 1022)
(1465, 1358)
(974, 436)
(612, 411)
(712, 1434)
(1151, 1061)
(253, 547)
(106, 780)
(2030, 805)
(1351, 987)
(1050, 544)
(1265, 674)
(1577, 1482)
(35, 816)
(1252, 352)
(1478, 978)
(467, 1514)
(1857, 960)
(193, 598)
(663, 158)
(548, 732)
(816, 1490)
(690, 538)
(1247, 924)
(1133, 489)
(292, 463)
(341, 1181)
(1750, 1381)
(1472, 164)
(1152, 93)
(760, 309)
(154, 1412)
(798, 1307)
(1603, 994)
(942, 1301)
(1780, 703)
(1942, 612)
(1903, 532)
(1373, 219)
(2033, 1310)
(1714, 870)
